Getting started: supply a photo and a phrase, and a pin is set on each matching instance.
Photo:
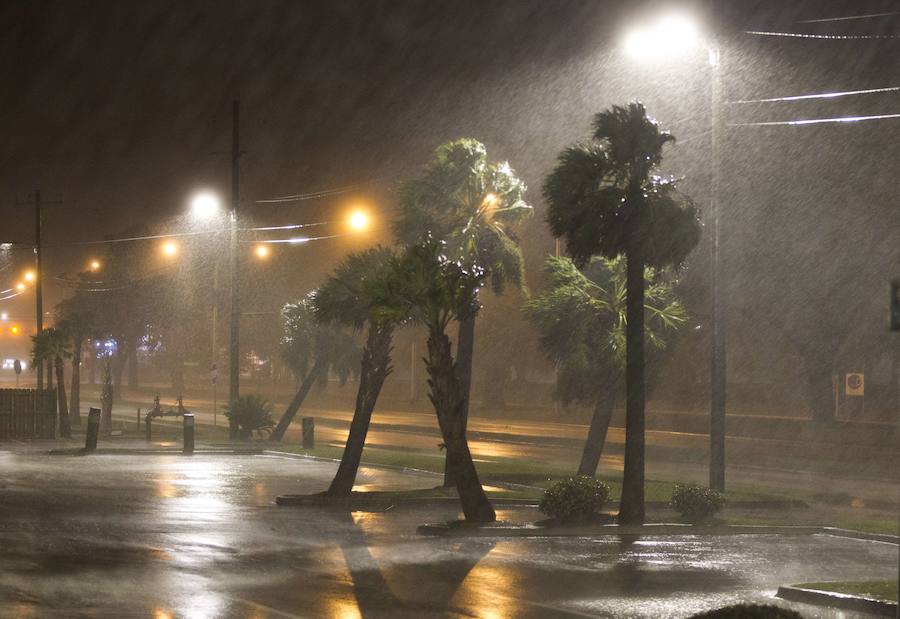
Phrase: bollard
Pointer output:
(188, 433)
(309, 432)
(93, 429)
(147, 429)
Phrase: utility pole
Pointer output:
(39, 277)
(234, 374)
(717, 383)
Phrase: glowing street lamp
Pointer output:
(170, 249)
(29, 276)
(4, 316)
(94, 265)
(359, 220)
(667, 36)
(262, 251)
(205, 205)
(20, 287)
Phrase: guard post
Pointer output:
(309, 432)
(93, 429)
(188, 433)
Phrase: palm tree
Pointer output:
(581, 321)
(77, 320)
(432, 289)
(471, 205)
(52, 345)
(606, 199)
(310, 350)
(348, 299)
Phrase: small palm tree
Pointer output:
(348, 299)
(606, 199)
(581, 320)
(77, 320)
(472, 206)
(251, 413)
(52, 345)
(427, 286)
(311, 350)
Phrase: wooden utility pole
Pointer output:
(39, 283)
(234, 373)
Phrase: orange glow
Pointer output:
(170, 249)
(262, 251)
(29, 276)
(20, 287)
(94, 265)
(14, 329)
(359, 220)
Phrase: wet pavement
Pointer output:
(200, 537)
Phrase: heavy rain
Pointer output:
(449, 309)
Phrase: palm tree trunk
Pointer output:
(596, 438)
(374, 369)
(631, 510)
(294, 406)
(448, 398)
(465, 355)
(65, 430)
(50, 365)
(133, 382)
(75, 409)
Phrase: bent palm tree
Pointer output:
(310, 350)
(427, 286)
(581, 321)
(348, 298)
(77, 319)
(52, 345)
(605, 199)
(472, 206)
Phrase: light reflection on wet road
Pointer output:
(169, 536)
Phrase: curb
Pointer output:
(114, 451)
(842, 601)
(453, 530)
(313, 500)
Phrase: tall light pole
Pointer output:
(234, 367)
(668, 36)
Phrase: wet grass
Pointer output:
(875, 589)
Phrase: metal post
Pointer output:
(93, 429)
(718, 360)
(38, 285)
(148, 432)
(139, 419)
(188, 433)
(309, 433)
(234, 374)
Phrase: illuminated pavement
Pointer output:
(199, 537)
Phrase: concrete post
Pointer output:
(309, 432)
(188, 433)
(93, 429)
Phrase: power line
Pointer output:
(836, 37)
(822, 95)
(325, 193)
(816, 121)
(300, 239)
(847, 18)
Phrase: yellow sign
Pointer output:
(855, 384)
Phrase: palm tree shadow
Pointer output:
(431, 584)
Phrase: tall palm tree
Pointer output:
(432, 289)
(606, 199)
(77, 318)
(472, 206)
(52, 345)
(348, 299)
(310, 350)
(581, 321)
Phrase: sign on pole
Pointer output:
(855, 384)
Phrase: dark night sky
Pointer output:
(121, 108)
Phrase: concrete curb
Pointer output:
(118, 451)
(356, 502)
(842, 601)
(464, 530)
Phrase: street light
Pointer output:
(262, 251)
(29, 276)
(20, 287)
(672, 35)
(205, 205)
(4, 316)
(94, 265)
(169, 249)
(359, 220)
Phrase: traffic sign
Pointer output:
(855, 384)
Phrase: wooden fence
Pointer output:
(27, 414)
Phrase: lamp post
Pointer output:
(668, 36)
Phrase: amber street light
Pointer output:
(169, 249)
(359, 220)
(29, 276)
(262, 251)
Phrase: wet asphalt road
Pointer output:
(199, 537)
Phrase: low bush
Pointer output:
(749, 611)
(252, 413)
(696, 503)
(574, 499)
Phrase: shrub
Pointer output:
(749, 611)
(575, 498)
(252, 413)
(696, 503)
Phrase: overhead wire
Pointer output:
(847, 18)
(835, 37)
(821, 95)
(816, 121)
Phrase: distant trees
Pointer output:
(77, 319)
(352, 298)
(310, 349)
(471, 206)
(53, 345)
(581, 322)
(605, 198)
